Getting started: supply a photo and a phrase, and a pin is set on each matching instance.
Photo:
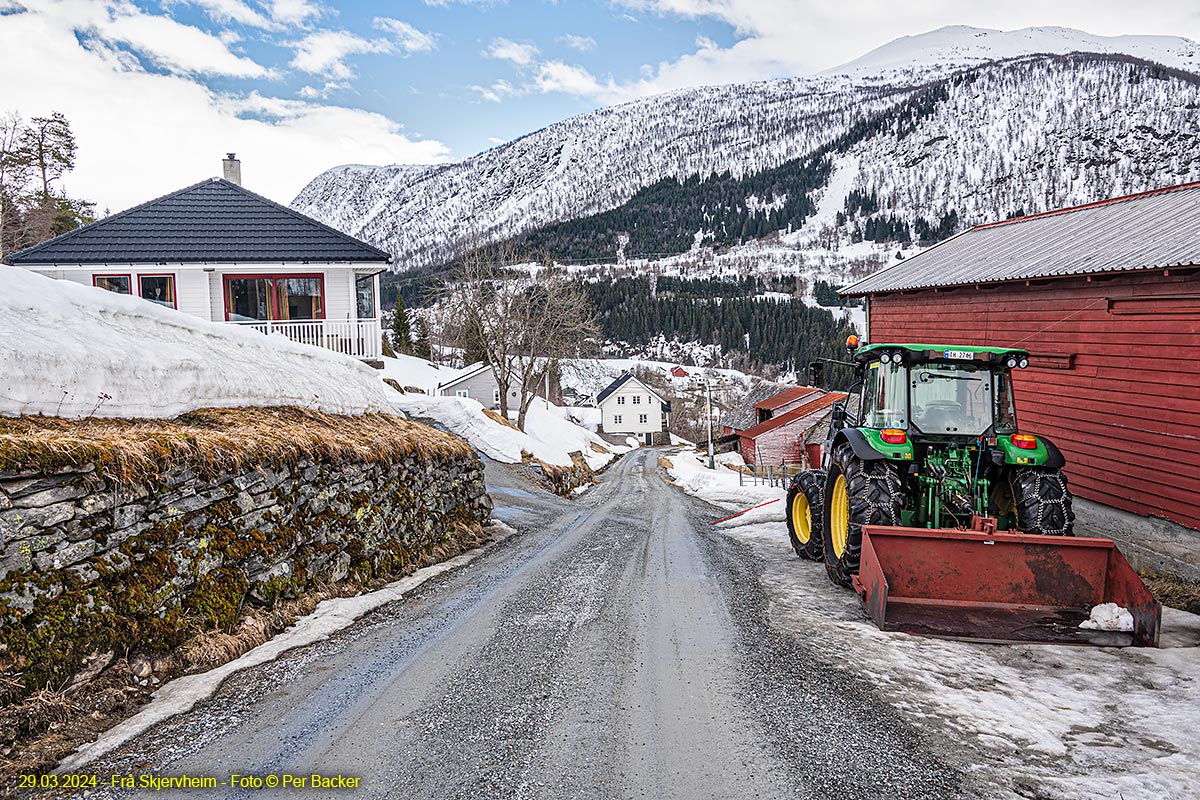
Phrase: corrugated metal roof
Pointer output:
(785, 397)
(796, 413)
(213, 221)
(1151, 230)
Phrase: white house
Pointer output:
(223, 253)
(478, 382)
(628, 406)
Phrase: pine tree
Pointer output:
(401, 332)
(420, 345)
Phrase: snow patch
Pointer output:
(77, 351)
(1108, 617)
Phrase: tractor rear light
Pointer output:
(893, 436)
(1025, 441)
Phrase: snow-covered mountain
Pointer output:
(1015, 126)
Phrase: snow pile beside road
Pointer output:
(76, 351)
(548, 435)
(720, 487)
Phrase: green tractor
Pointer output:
(932, 442)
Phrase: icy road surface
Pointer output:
(617, 647)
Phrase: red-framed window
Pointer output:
(158, 288)
(257, 298)
(121, 284)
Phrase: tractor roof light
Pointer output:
(1025, 441)
(852, 343)
(893, 436)
(885, 357)
(1023, 363)
(1011, 362)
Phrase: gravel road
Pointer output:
(614, 648)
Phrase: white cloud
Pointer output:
(330, 87)
(557, 76)
(294, 12)
(325, 52)
(174, 46)
(497, 91)
(224, 11)
(495, 140)
(517, 52)
(407, 37)
(581, 43)
(141, 134)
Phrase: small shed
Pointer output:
(793, 437)
(679, 372)
(1106, 298)
(779, 404)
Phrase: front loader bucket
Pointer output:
(1000, 587)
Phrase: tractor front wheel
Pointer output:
(1042, 501)
(857, 493)
(805, 505)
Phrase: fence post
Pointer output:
(770, 475)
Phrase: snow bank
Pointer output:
(720, 487)
(417, 372)
(69, 350)
(547, 436)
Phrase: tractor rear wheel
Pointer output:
(1042, 501)
(805, 505)
(857, 493)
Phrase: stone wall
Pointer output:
(91, 565)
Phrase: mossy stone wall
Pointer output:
(88, 565)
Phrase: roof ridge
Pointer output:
(1108, 201)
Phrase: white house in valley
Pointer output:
(628, 406)
(223, 253)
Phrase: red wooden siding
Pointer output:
(1114, 379)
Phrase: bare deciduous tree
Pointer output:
(521, 322)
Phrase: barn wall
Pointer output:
(1114, 379)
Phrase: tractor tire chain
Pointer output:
(876, 497)
(810, 483)
(1042, 501)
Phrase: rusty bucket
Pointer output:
(1000, 587)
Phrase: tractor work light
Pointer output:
(885, 357)
(893, 436)
(1025, 441)
(1023, 363)
(1011, 362)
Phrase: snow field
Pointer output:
(76, 351)
(1077, 723)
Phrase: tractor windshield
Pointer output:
(954, 399)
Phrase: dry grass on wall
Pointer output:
(214, 441)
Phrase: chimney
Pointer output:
(233, 168)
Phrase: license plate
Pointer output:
(963, 355)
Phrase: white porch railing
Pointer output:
(358, 338)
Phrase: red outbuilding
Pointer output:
(792, 436)
(780, 404)
(1106, 298)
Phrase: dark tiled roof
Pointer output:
(621, 381)
(1144, 231)
(213, 221)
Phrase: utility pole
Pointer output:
(712, 464)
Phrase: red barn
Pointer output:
(678, 372)
(1106, 298)
(779, 404)
(787, 438)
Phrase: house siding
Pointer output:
(1114, 379)
(649, 405)
(481, 388)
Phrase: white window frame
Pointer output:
(643, 419)
(637, 399)
(496, 396)
(620, 400)
(616, 419)
(461, 393)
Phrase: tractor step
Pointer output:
(1000, 587)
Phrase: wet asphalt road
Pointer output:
(614, 648)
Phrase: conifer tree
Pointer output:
(401, 332)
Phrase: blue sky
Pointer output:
(158, 90)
